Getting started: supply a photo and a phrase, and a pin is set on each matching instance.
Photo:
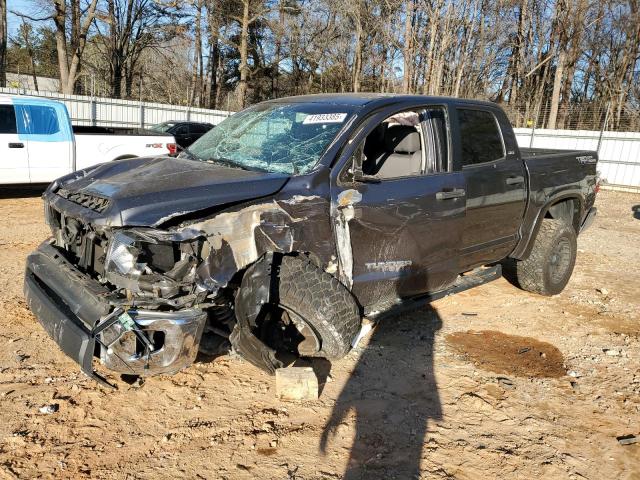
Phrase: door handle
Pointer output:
(16, 145)
(515, 180)
(447, 194)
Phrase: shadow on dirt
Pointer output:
(636, 211)
(22, 191)
(392, 395)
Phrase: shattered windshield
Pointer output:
(273, 137)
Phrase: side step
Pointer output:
(475, 278)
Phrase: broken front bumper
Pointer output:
(70, 305)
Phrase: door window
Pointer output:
(480, 137)
(7, 119)
(394, 148)
(406, 144)
(40, 120)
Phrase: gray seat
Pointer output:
(403, 153)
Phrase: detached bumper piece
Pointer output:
(588, 219)
(156, 342)
(74, 310)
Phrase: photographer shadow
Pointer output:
(392, 393)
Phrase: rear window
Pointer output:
(480, 137)
(7, 119)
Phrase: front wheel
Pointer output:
(315, 316)
(550, 264)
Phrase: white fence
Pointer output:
(109, 112)
(618, 152)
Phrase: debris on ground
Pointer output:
(49, 409)
(628, 439)
(296, 383)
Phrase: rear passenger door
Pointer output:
(495, 187)
(14, 157)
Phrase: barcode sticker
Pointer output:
(324, 118)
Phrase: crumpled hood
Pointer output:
(151, 191)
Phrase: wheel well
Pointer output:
(568, 210)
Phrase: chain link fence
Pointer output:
(109, 112)
(614, 133)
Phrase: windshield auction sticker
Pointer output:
(324, 118)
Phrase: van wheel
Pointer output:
(550, 264)
(315, 316)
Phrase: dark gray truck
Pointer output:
(276, 232)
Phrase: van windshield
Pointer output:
(285, 138)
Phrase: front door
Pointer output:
(398, 227)
(14, 156)
(47, 129)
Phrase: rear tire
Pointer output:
(320, 301)
(550, 264)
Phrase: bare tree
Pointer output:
(70, 50)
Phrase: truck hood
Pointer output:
(151, 191)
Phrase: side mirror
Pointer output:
(356, 168)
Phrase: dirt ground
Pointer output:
(491, 383)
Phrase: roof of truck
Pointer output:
(380, 99)
(8, 98)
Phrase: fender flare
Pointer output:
(524, 246)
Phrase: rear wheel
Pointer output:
(550, 264)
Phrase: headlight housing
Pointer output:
(149, 263)
(122, 255)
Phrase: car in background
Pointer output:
(38, 143)
(184, 132)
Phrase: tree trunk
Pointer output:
(555, 95)
(3, 43)
(26, 31)
(213, 26)
(69, 67)
(244, 55)
(409, 56)
(196, 79)
(60, 20)
(357, 54)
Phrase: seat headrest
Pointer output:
(402, 139)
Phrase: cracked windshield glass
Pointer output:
(274, 137)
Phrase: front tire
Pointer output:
(316, 300)
(550, 264)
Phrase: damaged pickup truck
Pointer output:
(276, 232)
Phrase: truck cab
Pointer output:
(36, 140)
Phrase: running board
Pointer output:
(462, 283)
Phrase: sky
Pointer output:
(31, 7)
